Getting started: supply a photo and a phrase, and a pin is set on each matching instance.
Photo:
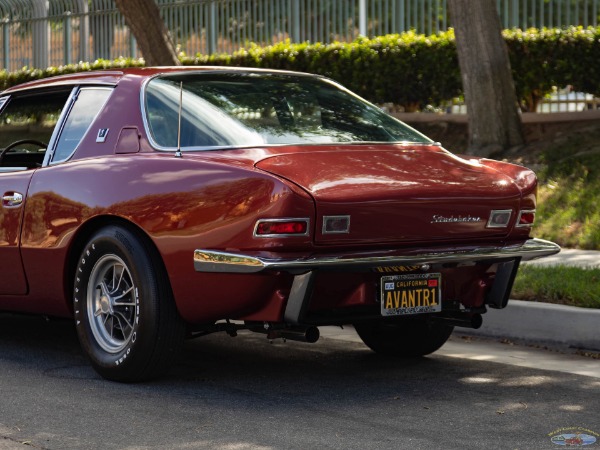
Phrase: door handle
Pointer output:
(12, 199)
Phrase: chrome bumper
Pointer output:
(212, 261)
(304, 270)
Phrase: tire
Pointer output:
(406, 338)
(125, 315)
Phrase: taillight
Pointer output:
(281, 227)
(526, 218)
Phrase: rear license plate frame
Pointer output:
(411, 294)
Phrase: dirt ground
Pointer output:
(539, 137)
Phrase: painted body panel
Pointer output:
(12, 281)
(179, 203)
(400, 193)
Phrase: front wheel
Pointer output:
(126, 318)
(405, 338)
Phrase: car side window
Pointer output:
(27, 122)
(86, 106)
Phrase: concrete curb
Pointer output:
(544, 323)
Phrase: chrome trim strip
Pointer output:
(291, 219)
(3, 101)
(58, 128)
(65, 119)
(212, 261)
(527, 225)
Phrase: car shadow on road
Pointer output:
(51, 345)
(251, 363)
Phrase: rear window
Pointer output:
(247, 109)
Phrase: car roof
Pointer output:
(112, 77)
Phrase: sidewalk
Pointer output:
(570, 257)
(544, 322)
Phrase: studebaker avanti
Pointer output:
(157, 204)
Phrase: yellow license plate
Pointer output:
(416, 293)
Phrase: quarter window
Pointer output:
(88, 103)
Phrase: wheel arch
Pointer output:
(83, 235)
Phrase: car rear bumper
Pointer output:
(507, 259)
(213, 261)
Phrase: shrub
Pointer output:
(409, 69)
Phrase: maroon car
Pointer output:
(157, 204)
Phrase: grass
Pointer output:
(568, 211)
(563, 285)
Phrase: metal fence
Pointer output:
(42, 33)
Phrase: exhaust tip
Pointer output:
(476, 321)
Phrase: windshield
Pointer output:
(249, 109)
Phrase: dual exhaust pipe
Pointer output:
(311, 334)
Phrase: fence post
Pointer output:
(84, 30)
(41, 38)
(132, 45)
(212, 28)
(296, 21)
(68, 35)
(6, 37)
(362, 17)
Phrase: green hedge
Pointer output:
(541, 59)
(407, 69)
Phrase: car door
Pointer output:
(27, 124)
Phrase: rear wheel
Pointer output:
(406, 338)
(126, 318)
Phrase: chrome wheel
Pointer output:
(111, 306)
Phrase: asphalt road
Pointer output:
(244, 393)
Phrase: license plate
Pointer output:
(416, 293)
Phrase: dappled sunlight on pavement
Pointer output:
(491, 350)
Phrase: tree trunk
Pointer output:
(494, 120)
(151, 33)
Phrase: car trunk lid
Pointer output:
(397, 193)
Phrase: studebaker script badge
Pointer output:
(455, 219)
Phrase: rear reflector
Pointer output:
(336, 224)
(281, 227)
(499, 218)
(526, 218)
